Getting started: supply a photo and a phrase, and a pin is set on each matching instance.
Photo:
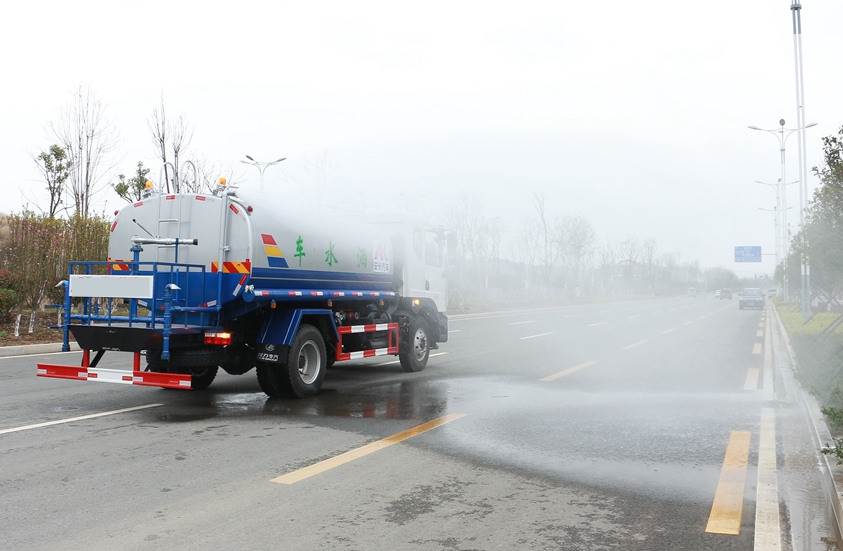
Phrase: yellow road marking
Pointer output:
(756, 348)
(536, 336)
(751, 382)
(343, 458)
(566, 372)
(767, 534)
(636, 344)
(725, 517)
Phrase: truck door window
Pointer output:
(433, 249)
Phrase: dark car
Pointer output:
(751, 298)
(725, 294)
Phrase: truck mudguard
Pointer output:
(281, 326)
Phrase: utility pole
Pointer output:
(805, 271)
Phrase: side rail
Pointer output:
(391, 347)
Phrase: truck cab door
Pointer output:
(424, 267)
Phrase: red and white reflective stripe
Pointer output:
(368, 328)
(119, 376)
(316, 293)
(367, 353)
(338, 293)
(239, 285)
(210, 303)
(169, 197)
(289, 293)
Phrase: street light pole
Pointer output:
(805, 272)
(261, 166)
(782, 134)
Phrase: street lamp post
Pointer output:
(782, 134)
(261, 166)
(805, 287)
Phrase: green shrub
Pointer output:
(8, 301)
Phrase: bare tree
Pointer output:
(87, 138)
(169, 138)
(545, 230)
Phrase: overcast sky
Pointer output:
(631, 114)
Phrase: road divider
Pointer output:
(725, 516)
(568, 371)
(79, 418)
(537, 335)
(767, 526)
(351, 455)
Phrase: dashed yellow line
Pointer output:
(566, 372)
(751, 382)
(343, 458)
(725, 516)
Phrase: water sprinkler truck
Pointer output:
(229, 280)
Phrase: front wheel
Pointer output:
(415, 350)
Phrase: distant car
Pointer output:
(717, 293)
(751, 298)
(725, 294)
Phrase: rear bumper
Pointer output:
(180, 381)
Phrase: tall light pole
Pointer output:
(261, 166)
(805, 286)
(777, 219)
(782, 134)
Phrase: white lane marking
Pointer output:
(536, 336)
(759, 333)
(756, 348)
(635, 344)
(633, 316)
(36, 355)
(393, 362)
(767, 530)
(521, 322)
(688, 323)
(568, 371)
(751, 382)
(668, 331)
(454, 331)
(595, 324)
(80, 418)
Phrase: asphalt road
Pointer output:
(634, 425)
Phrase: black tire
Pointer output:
(415, 349)
(307, 363)
(266, 379)
(193, 362)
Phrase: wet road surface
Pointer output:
(637, 425)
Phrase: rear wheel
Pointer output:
(192, 362)
(415, 350)
(307, 363)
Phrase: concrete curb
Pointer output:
(32, 349)
(832, 472)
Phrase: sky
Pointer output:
(632, 115)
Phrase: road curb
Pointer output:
(821, 434)
(33, 349)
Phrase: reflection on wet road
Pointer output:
(633, 424)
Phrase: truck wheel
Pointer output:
(201, 376)
(415, 351)
(266, 379)
(307, 363)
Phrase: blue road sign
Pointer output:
(748, 253)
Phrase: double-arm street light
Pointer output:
(261, 166)
(782, 134)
